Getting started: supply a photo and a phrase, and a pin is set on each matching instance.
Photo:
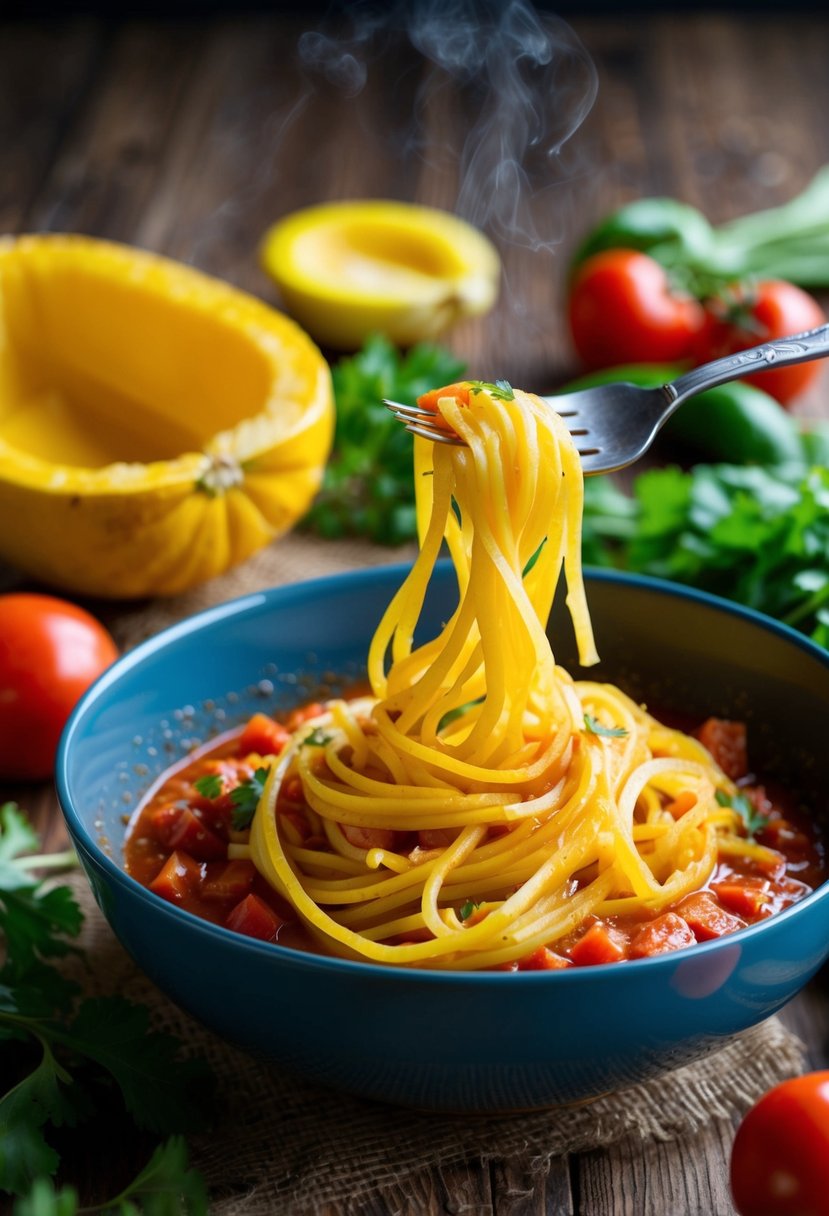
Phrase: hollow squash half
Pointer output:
(157, 426)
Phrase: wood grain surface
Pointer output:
(190, 137)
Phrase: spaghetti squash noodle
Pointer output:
(480, 804)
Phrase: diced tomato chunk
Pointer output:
(253, 917)
(264, 736)
(684, 802)
(726, 741)
(436, 838)
(460, 391)
(781, 834)
(544, 959)
(304, 713)
(177, 878)
(368, 838)
(294, 826)
(665, 933)
(706, 918)
(745, 897)
(196, 838)
(291, 791)
(232, 882)
(600, 944)
(788, 891)
(162, 821)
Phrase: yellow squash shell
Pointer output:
(349, 269)
(157, 426)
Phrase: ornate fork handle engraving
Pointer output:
(799, 348)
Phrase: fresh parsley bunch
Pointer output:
(368, 486)
(756, 535)
(61, 1055)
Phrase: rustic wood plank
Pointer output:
(654, 1179)
(259, 137)
(104, 176)
(45, 72)
(518, 1191)
(456, 1190)
(807, 1016)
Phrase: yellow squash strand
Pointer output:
(501, 802)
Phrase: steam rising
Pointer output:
(520, 84)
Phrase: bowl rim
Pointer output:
(84, 841)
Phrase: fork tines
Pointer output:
(421, 422)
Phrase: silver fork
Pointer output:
(614, 424)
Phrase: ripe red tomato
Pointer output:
(780, 1156)
(622, 308)
(751, 313)
(50, 652)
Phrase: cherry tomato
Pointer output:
(750, 313)
(622, 308)
(50, 652)
(780, 1156)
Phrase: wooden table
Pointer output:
(190, 136)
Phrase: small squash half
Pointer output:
(157, 426)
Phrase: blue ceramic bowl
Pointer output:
(433, 1040)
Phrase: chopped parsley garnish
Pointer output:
(501, 390)
(468, 908)
(452, 715)
(753, 819)
(317, 738)
(245, 798)
(210, 786)
(533, 559)
(608, 732)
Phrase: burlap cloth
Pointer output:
(280, 1145)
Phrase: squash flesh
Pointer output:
(156, 426)
(118, 370)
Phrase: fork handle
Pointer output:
(799, 348)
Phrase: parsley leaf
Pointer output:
(755, 535)
(34, 922)
(593, 727)
(37, 1099)
(56, 1052)
(210, 786)
(164, 1187)
(368, 484)
(468, 908)
(753, 819)
(162, 1092)
(245, 798)
(317, 738)
(501, 390)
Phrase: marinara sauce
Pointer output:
(179, 842)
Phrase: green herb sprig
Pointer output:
(368, 485)
(500, 390)
(759, 536)
(317, 738)
(594, 727)
(245, 798)
(60, 1052)
(753, 819)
